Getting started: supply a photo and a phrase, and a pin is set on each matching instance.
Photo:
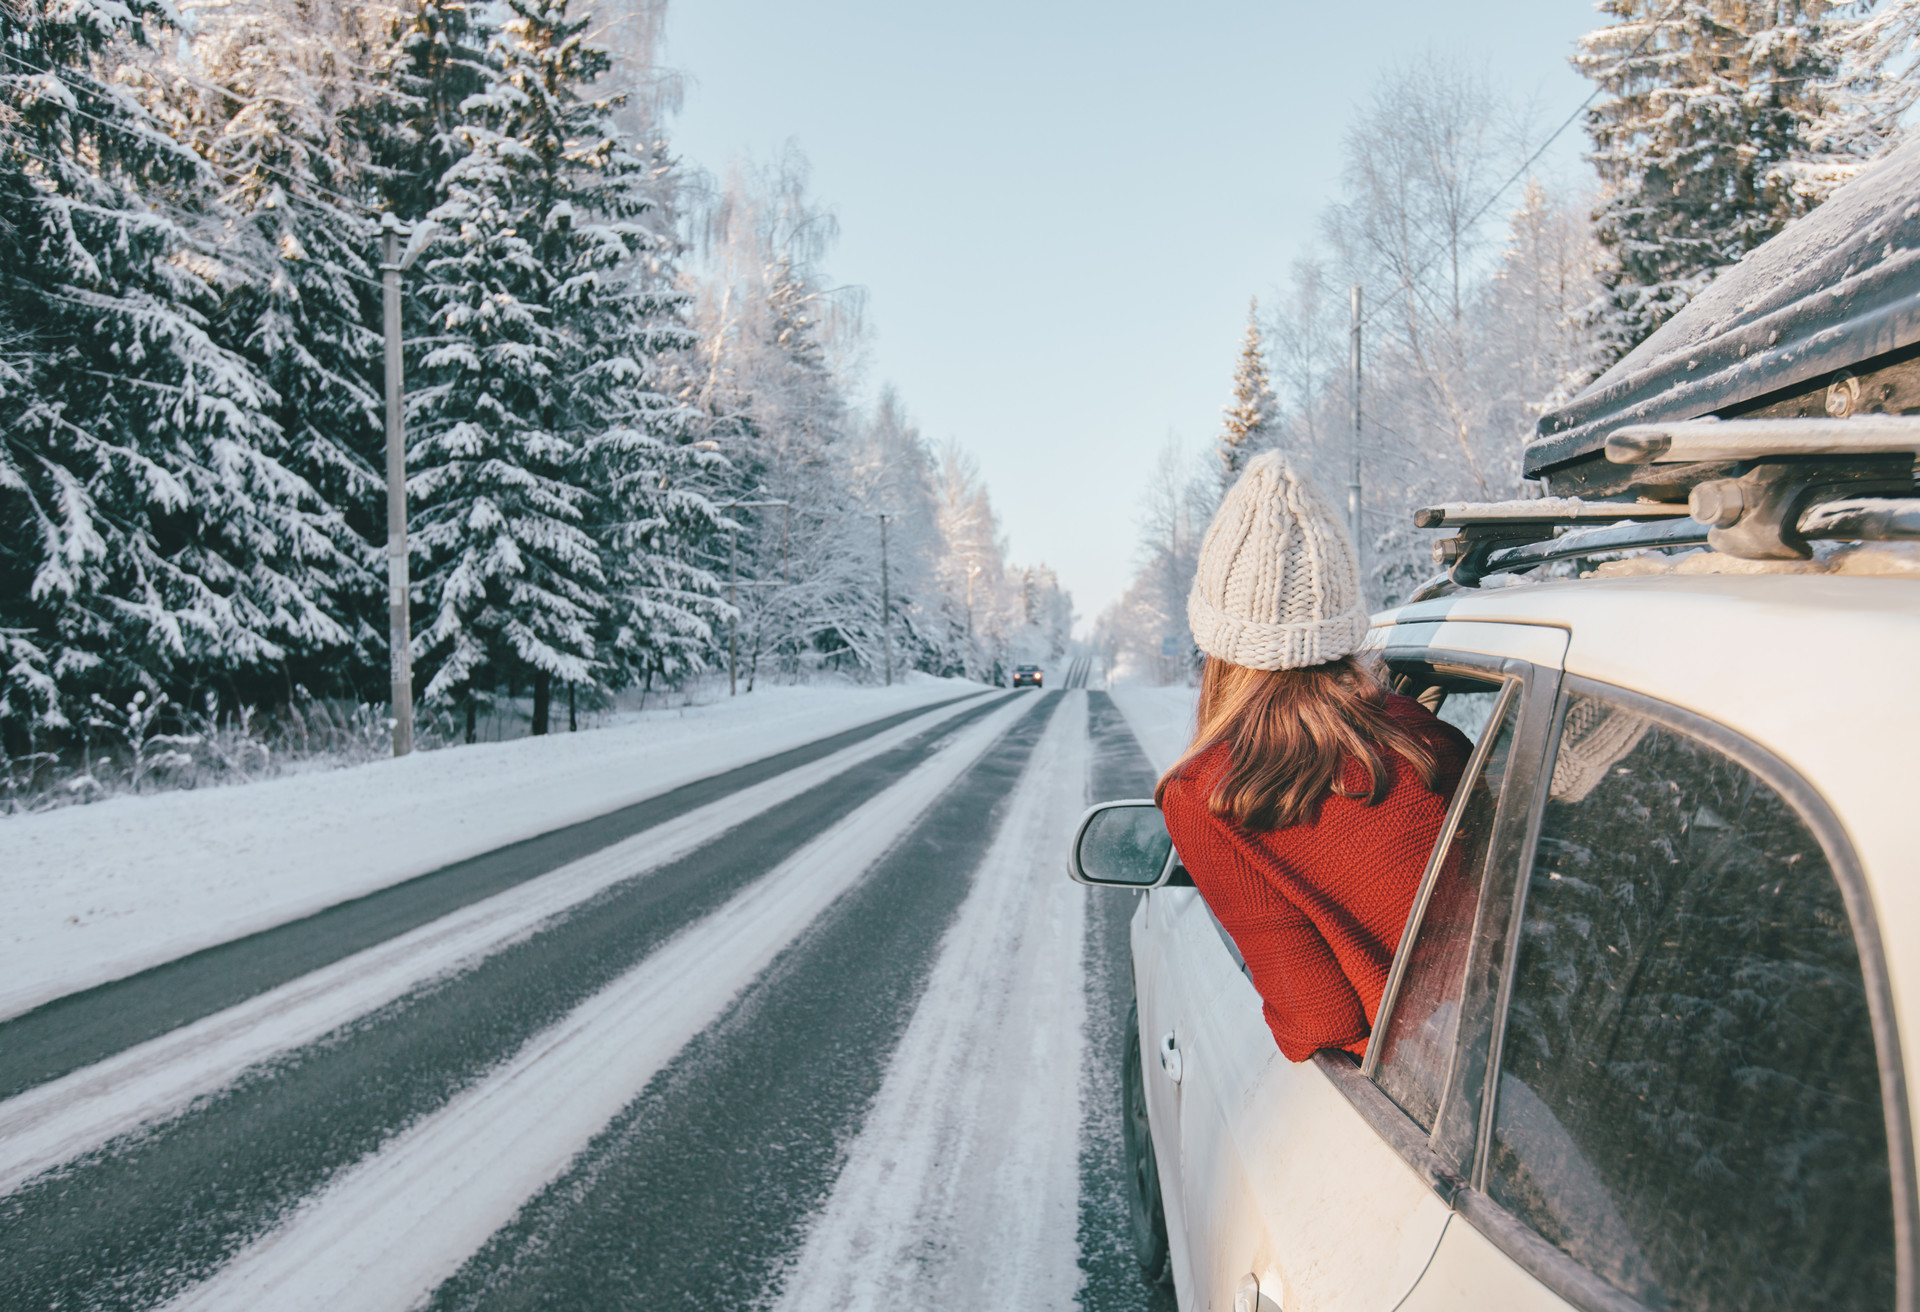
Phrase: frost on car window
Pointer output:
(1417, 1045)
(1689, 1102)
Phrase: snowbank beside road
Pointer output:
(1161, 718)
(94, 893)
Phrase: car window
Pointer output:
(1468, 710)
(1417, 1043)
(1689, 1100)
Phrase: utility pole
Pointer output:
(399, 626)
(733, 621)
(886, 602)
(1353, 477)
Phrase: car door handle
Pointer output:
(1170, 1056)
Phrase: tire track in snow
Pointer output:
(82, 1028)
(699, 1192)
(59, 1120)
(387, 1232)
(962, 1188)
(146, 1216)
(1113, 1282)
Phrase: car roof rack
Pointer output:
(1549, 511)
(1789, 482)
(1694, 440)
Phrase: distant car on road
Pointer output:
(1026, 674)
(1640, 1046)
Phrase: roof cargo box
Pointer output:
(1823, 320)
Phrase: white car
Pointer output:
(1639, 1048)
(1642, 1042)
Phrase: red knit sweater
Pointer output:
(1317, 909)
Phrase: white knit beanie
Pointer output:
(1279, 582)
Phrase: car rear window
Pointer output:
(1689, 1100)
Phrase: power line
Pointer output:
(1653, 29)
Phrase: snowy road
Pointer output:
(830, 1031)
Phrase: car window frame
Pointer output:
(1507, 692)
(1516, 822)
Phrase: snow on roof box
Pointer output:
(1824, 319)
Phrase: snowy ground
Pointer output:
(962, 1187)
(832, 1041)
(93, 893)
(1161, 718)
(385, 1234)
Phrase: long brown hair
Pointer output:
(1291, 734)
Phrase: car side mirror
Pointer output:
(1125, 845)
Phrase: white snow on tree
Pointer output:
(431, 58)
(621, 317)
(1249, 419)
(153, 528)
(770, 379)
(274, 95)
(191, 482)
(514, 583)
(1467, 337)
(1707, 141)
(802, 555)
(1877, 83)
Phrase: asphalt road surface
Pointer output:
(830, 1031)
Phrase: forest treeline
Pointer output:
(1490, 295)
(632, 449)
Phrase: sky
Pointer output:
(1058, 209)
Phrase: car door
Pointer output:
(1280, 1176)
(1163, 987)
(1690, 1104)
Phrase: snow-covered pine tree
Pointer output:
(431, 57)
(892, 473)
(1878, 42)
(1705, 140)
(149, 532)
(1249, 420)
(513, 579)
(1531, 347)
(272, 94)
(621, 316)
